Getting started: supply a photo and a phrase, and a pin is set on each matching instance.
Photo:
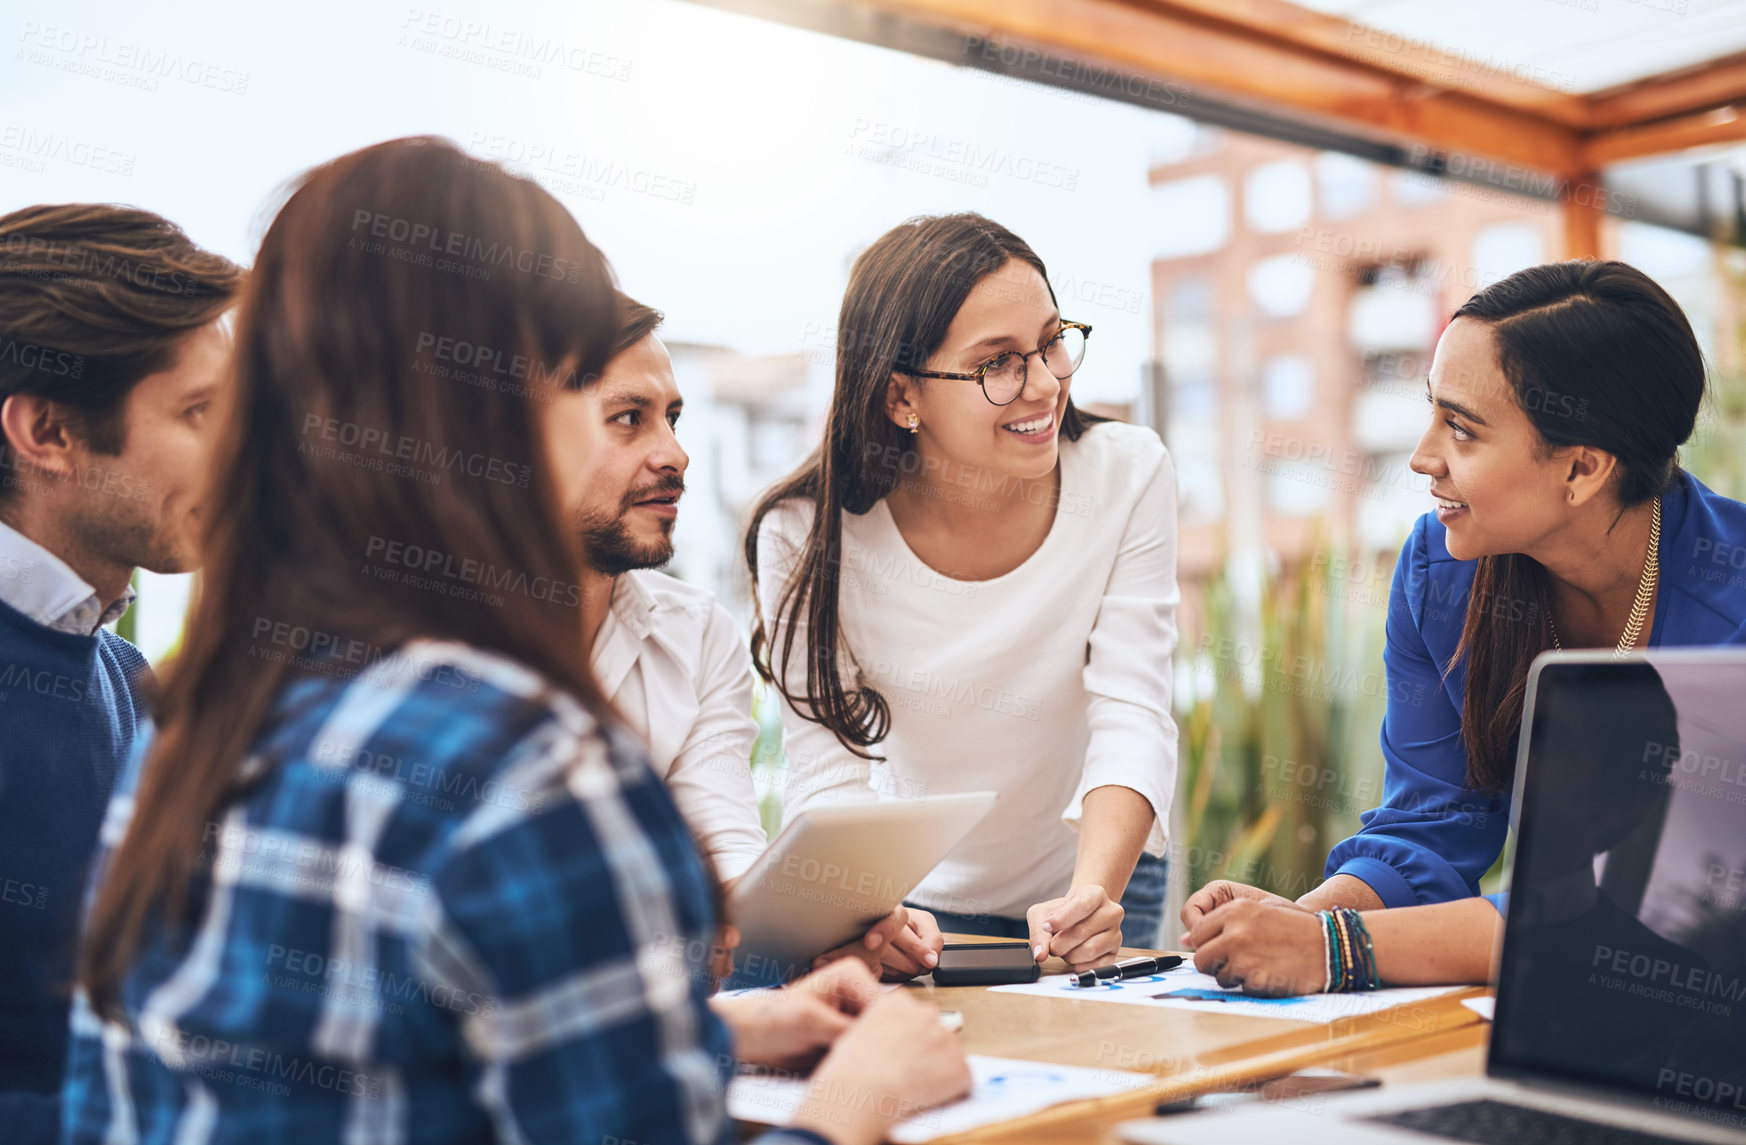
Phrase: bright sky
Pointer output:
(731, 168)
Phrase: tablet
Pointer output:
(835, 871)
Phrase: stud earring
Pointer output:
(914, 423)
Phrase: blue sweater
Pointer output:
(1434, 837)
(69, 706)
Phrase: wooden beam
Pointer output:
(1713, 84)
(1233, 64)
(1292, 25)
(1703, 129)
(1583, 204)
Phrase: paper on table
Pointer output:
(1205, 993)
(1002, 1089)
(1481, 1006)
(743, 991)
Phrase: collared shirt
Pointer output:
(44, 588)
(677, 666)
(453, 908)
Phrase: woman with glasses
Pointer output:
(971, 585)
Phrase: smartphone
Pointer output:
(986, 964)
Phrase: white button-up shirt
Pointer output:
(677, 666)
(43, 587)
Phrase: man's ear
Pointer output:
(38, 435)
(900, 394)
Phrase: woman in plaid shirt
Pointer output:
(389, 871)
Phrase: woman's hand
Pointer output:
(1084, 927)
(901, 945)
(915, 949)
(1266, 948)
(895, 1061)
(792, 1027)
(1221, 891)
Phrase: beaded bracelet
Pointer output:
(1350, 954)
(1374, 980)
(1331, 952)
(1327, 950)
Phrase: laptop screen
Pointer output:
(1624, 961)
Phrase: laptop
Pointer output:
(1621, 978)
(835, 871)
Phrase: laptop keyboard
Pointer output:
(1499, 1123)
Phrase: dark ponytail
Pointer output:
(1603, 339)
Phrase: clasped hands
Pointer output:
(1251, 939)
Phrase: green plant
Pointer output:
(1278, 748)
(1716, 453)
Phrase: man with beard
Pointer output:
(113, 366)
(666, 653)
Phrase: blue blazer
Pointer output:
(1433, 837)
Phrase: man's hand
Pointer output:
(1219, 892)
(1084, 927)
(793, 1027)
(895, 1061)
(721, 955)
(1265, 948)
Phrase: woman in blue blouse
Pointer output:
(1559, 399)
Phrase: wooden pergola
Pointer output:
(1328, 75)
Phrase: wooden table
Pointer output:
(1195, 1052)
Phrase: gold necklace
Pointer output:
(1645, 591)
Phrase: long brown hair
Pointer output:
(344, 323)
(93, 298)
(903, 293)
(1597, 355)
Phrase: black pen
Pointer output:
(1128, 968)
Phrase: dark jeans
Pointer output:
(1143, 902)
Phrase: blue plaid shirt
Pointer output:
(448, 907)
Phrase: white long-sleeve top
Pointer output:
(676, 665)
(1041, 684)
